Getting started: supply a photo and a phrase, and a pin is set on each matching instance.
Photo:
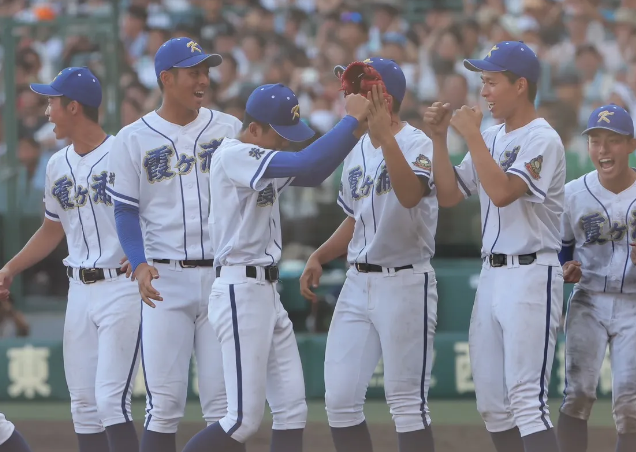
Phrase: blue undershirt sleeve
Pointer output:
(129, 233)
(566, 254)
(311, 166)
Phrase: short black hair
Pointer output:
(91, 113)
(160, 83)
(248, 119)
(532, 86)
(138, 12)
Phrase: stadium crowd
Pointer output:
(587, 48)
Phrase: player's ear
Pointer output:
(254, 129)
(631, 145)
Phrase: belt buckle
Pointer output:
(360, 268)
(271, 274)
(494, 261)
(88, 275)
(181, 263)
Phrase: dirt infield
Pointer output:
(58, 436)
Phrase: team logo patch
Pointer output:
(194, 47)
(491, 51)
(295, 111)
(508, 158)
(423, 162)
(368, 61)
(604, 116)
(534, 167)
(266, 197)
(256, 153)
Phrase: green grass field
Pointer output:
(443, 412)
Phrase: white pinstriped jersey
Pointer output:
(245, 229)
(164, 169)
(532, 223)
(386, 233)
(601, 225)
(75, 195)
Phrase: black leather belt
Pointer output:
(372, 268)
(499, 260)
(271, 272)
(188, 263)
(90, 275)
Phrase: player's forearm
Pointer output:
(408, 187)
(129, 233)
(566, 254)
(448, 192)
(316, 162)
(338, 243)
(493, 179)
(43, 242)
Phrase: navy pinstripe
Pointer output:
(239, 370)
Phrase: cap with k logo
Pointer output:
(512, 56)
(76, 83)
(182, 53)
(277, 106)
(611, 117)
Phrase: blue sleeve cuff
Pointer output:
(566, 254)
(129, 233)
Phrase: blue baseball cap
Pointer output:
(391, 74)
(611, 117)
(513, 56)
(76, 83)
(182, 53)
(277, 106)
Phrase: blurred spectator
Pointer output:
(12, 322)
(597, 83)
(134, 33)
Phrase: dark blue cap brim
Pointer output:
(45, 90)
(620, 132)
(482, 66)
(213, 60)
(297, 133)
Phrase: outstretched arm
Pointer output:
(129, 233)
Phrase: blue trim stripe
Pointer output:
(239, 370)
(542, 382)
(423, 380)
(261, 168)
(533, 187)
(122, 198)
(462, 185)
(127, 388)
(196, 173)
(342, 204)
(88, 186)
(422, 173)
(176, 153)
(375, 177)
(627, 243)
(79, 215)
(51, 214)
(149, 405)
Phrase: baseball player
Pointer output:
(598, 225)
(102, 325)
(518, 171)
(10, 438)
(160, 168)
(260, 354)
(388, 304)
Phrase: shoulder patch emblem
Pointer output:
(256, 153)
(423, 162)
(534, 167)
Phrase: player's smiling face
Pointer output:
(609, 151)
(61, 119)
(500, 93)
(189, 85)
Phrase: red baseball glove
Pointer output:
(359, 77)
